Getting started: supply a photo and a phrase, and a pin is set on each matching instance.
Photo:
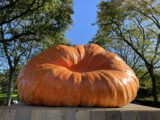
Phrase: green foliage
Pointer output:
(3, 96)
(29, 26)
(145, 90)
(42, 20)
(4, 79)
(125, 22)
(3, 82)
(131, 29)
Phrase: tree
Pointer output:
(136, 24)
(29, 26)
(3, 82)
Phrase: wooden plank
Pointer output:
(98, 115)
(53, 114)
(129, 115)
(82, 115)
(113, 115)
(23, 114)
(129, 107)
(141, 115)
(38, 114)
(8, 114)
(0, 114)
(155, 115)
(68, 114)
(129, 112)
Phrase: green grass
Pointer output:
(146, 99)
(3, 96)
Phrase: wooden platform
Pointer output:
(128, 112)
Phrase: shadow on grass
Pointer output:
(146, 103)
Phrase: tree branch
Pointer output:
(24, 13)
(16, 60)
(142, 77)
(6, 49)
(131, 45)
(156, 49)
(18, 36)
(8, 5)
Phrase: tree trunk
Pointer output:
(154, 88)
(10, 86)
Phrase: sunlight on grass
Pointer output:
(145, 99)
(4, 95)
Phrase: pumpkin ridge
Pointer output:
(112, 83)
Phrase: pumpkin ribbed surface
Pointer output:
(80, 75)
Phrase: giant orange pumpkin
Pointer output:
(77, 76)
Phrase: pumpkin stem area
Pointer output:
(88, 64)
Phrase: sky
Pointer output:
(82, 30)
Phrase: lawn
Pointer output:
(3, 96)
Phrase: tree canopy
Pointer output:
(133, 25)
(28, 26)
